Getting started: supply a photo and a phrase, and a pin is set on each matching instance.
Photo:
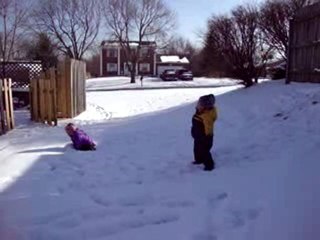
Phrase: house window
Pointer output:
(144, 67)
(144, 52)
(112, 52)
(112, 67)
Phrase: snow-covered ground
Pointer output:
(116, 83)
(120, 104)
(139, 184)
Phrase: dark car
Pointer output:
(277, 72)
(168, 75)
(184, 74)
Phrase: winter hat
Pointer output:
(207, 101)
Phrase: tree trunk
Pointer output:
(133, 72)
(133, 75)
(248, 82)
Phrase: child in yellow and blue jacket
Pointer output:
(202, 131)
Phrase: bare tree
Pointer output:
(179, 46)
(133, 21)
(238, 40)
(12, 17)
(74, 24)
(275, 16)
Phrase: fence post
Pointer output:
(42, 100)
(34, 100)
(54, 95)
(6, 101)
(2, 116)
(11, 110)
(289, 53)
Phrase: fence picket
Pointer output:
(6, 114)
(11, 109)
(304, 46)
(6, 101)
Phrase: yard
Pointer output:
(139, 183)
(118, 83)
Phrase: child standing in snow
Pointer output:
(80, 140)
(202, 131)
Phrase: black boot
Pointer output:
(208, 168)
(209, 165)
(197, 162)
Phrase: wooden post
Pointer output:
(289, 55)
(48, 108)
(35, 100)
(2, 116)
(6, 102)
(11, 110)
(54, 98)
(84, 107)
(69, 87)
(42, 104)
(31, 93)
(53, 108)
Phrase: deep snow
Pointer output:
(139, 184)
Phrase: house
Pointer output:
(171, 62)
(113, 61)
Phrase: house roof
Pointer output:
(173, 59)
(131, 43)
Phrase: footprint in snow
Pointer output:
(239, 218)
(213, 200)
(205, 237)
(179, 204)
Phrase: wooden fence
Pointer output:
(59, 92)
(6, 106)
(304, 46)
(71, 98)
(43, 100)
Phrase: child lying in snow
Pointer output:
(80, 140)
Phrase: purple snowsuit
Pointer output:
(81, 141)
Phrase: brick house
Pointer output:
(114, 63)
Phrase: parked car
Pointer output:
(277, 72)
(168, 75)
(184, 74)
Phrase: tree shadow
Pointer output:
(50, 149)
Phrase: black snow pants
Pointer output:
(202, 153)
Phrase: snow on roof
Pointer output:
(173, 59)
(133, 44)
(184, 60)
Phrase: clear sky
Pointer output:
(192, 15)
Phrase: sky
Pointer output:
(192, 15)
